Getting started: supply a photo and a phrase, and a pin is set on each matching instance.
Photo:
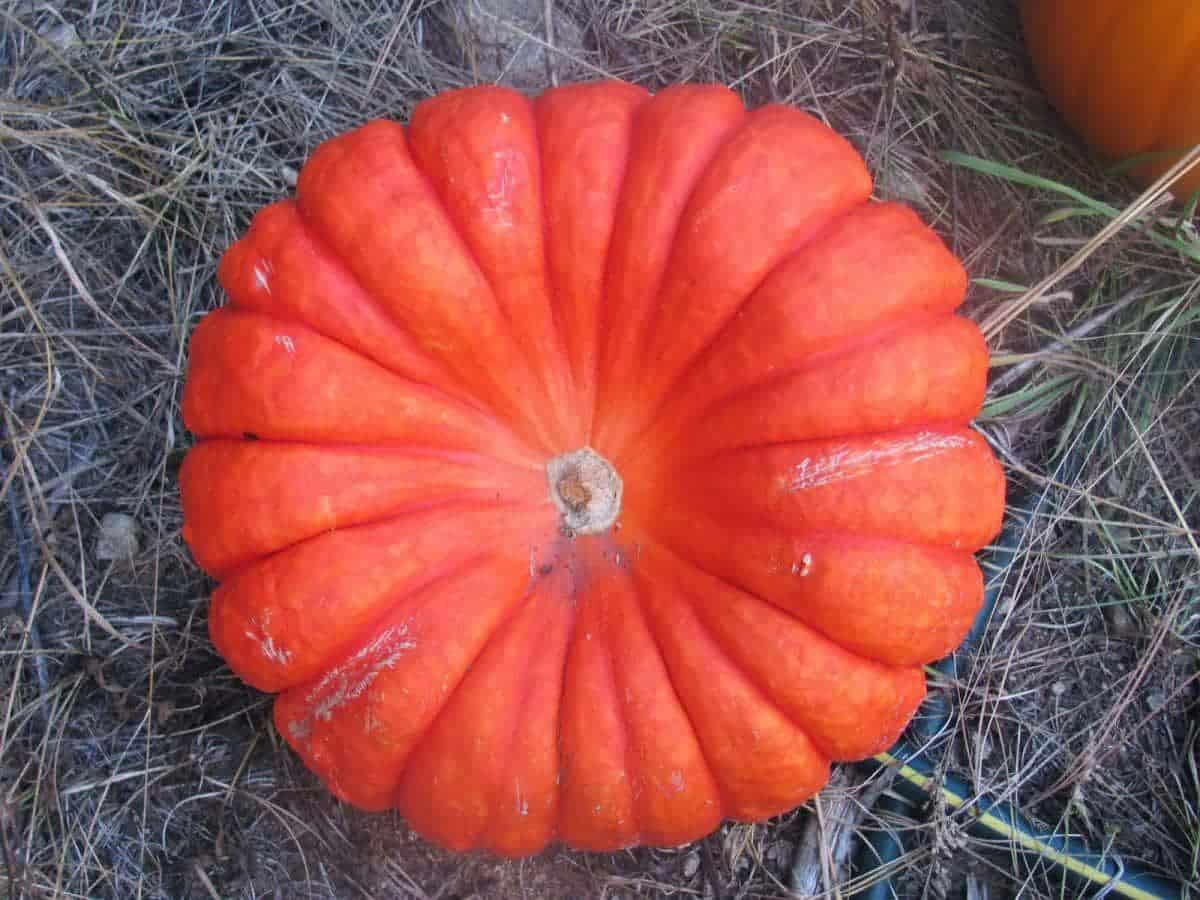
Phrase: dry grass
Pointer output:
(136, 140)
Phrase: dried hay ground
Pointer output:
(136, 140)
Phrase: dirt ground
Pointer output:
(137, 138)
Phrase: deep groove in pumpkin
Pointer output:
(448, 504)
(556, 323)
(850, 346)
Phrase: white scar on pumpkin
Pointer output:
(258, 633)
(501, 185)
(845, 462)
(262, 275)
(350, 680)
(522, 801)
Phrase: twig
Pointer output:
(825, 845)
(18, 592)
(1081, 330)
(1152, 195)
(551, 68)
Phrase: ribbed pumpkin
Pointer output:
(587, 469)
(1125, 75)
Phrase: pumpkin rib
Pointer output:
(851, 345)
(582, 156)
(445, 503)
(816, 544)
(352, 642)
(631, 771)
(242, 370)
(638, 607)
(906, 485)
(608, 726)
(235, 492)
(459, 504)
(723, 801)
(529, 691)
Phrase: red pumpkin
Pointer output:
(590, 468)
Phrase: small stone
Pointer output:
(1120, 620)
(691, 864)
(1058, 688)
(62, 35)
(118, 537)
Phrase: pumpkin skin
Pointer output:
(705, 298)
(1123, 75)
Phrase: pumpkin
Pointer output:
(587, 469)
(1123, 75)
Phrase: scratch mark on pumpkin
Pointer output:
(285, 342)
(262, 275)
(846, 462)
(350, 680)
(500, 187)
(804, 567)
(258, 633)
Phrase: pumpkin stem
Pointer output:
(585, 489)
